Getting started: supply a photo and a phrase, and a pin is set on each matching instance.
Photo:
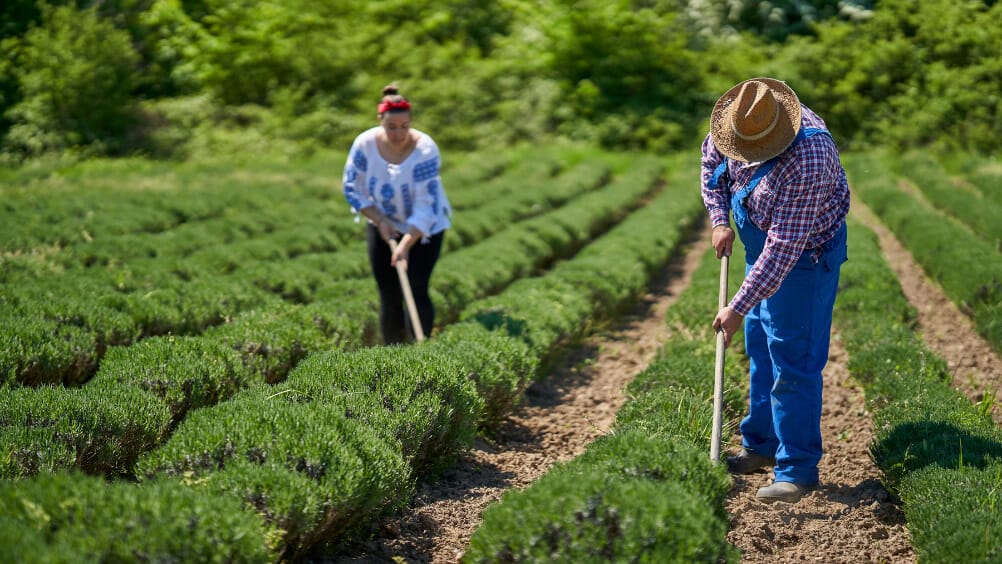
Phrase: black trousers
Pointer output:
(394, 320)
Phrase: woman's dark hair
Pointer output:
(392, 101)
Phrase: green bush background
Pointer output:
(180, 78)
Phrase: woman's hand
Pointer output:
(399, 256)
(403, 248)
(723, 240)
(728, 321)
(401, 251)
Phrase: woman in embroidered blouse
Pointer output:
(392, 178)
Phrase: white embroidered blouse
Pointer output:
(409, 194)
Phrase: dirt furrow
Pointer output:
(559, 417)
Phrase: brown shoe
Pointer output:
(788, 492)
(746, 462)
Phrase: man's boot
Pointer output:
(782, 491)
(746, 462)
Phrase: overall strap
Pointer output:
(717, 173)
(763, 170)
(808, 132)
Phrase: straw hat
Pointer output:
(755, 120)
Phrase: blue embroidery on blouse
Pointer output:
(372, 185)
(387, 193)
(350, 174)
(360, 161)
(433, 190)
(354, 202)
(424, 171)
(405, 193)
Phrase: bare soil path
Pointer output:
(559, 417)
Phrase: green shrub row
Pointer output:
(141, 391)
(421, 404)
(277, 478)
(79, 218)
(593, 275)
(632, 497)
(526, 170)
(966, 265)
(529, 197)
(984, 173)
(937, 451)
(92, 309)
(648, 491)
(66, 518)
(56, 330)
(265, 343)
(530, 245)
(969, 207)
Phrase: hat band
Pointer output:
(761, 134)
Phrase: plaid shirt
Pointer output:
(800, 204)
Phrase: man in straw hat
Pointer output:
(772, 163)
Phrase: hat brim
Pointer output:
(777, 141)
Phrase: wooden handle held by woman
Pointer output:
(405, 284)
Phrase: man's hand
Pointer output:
(723, 240)
(728, 321)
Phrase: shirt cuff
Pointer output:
(719, 216)
(742, 304)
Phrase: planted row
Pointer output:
(421, 403)
(142, 391)
(968, 206)
(271, 340)
(533, 197)
(966, 265)
(530, 245)
(57, 332)
(93, 309)
(939, 452)
(69, 518)
(281, 484)
(647, 491)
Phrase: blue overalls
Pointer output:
(786, 339)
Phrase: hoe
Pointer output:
(405, 284)
(718, 376)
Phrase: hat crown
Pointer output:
(756, 111)
(756, 120)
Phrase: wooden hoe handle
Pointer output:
(405, 284)
(718, 376)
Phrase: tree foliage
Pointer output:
(75, 74)
(622, 73)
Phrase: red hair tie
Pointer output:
(388, 106)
